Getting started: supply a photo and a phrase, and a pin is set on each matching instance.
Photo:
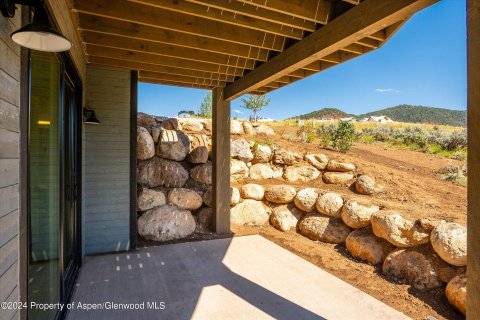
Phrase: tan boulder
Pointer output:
(264, 130)
(364, 245)
(337, 177)
(171, 124)
(319, 161)
(302, 173)
(185, 198)
(236, 127)
(202, 173)
(330, 204)
(234, 196)
(262, 154)
(156, 172)
(208, 197)
(193, 126)
(280, 194)
(340, 166)
(261, 171)
(148, 199)
(240, 149)
(285, 217)
(306, 199)
(198, 155)
(322, 228)
(449, 240)
(366, 185)
(204, 220)
(145, 144)
(173, 145)
(249, 212)
(358, 215)
(391, 226)
(456, 292)
(252, 191)
(167, 222)
(248, 128)
(238, 170)
(285, 157)
(145, 120)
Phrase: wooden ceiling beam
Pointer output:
(175, 83)
(182, 79)
(318, 11)
(236, 7)
(354, 2)
(180, 22)
(125, 43)
(142, 32)
(152, 59)
(132, 65)
(355, 24)
(220, 15)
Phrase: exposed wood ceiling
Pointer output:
(249, 46)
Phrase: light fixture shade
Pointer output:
(41, 35)
(92, 119)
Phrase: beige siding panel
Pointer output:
(8, 256)
(11, 313)
(8, 199)
(8, 172)
(8, 227)
(8, 282)
(9, 88)
(9, 143)
(107, 161)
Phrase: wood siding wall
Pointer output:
(107, 161)
(9, 164)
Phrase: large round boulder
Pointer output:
(164, 223)
(306, 199)
(322, 228)
(234, 196)
(193, 126)
(357, 215)
(302, 173)
(261, 171)
(145, 120)
(319, 161)
(417, 266)
(449, 240)
(337, 177)
(208, 197)
(249, 212)
(391, 226)
(240, 149)
(364, 245)
(340, 166)
(156, 172)
(198, 155)
(285, 157)
(236, 127)
(185, 198)
(262, 154)
(200, 140)
(173, 145)
(264, 130)
(366, 185)
(248, 128)
(145, 144)
(280, 193)
(456, 292)
(252, 191)
(148, 199)
(330, 204)
(285, 217)
(171, 124)
(202, 173)
(238, 170)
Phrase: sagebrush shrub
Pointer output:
(344, 136)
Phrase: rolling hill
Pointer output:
(401, 113)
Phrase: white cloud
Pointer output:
(237, 111)
(387, 90)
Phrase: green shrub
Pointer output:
(344, 136)
(326, 133)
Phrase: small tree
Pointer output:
(205, 109)
(343, 136)
(255, 103)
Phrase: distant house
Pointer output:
(347, 119)
(263, 119)
(380, 119)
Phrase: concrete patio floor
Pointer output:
(238, 278)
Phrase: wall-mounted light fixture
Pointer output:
(89, 114)
(38, 35)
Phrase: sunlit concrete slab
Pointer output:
(240, 278)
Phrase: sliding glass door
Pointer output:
(53, 188)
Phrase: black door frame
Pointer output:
(68, 66)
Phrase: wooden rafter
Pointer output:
(180, 22)
(143, 32)
(220, 15)
(312, 10)
(357, 23)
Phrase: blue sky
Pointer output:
(423, 64)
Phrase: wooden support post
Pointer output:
(221, 161)
(473, 217)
